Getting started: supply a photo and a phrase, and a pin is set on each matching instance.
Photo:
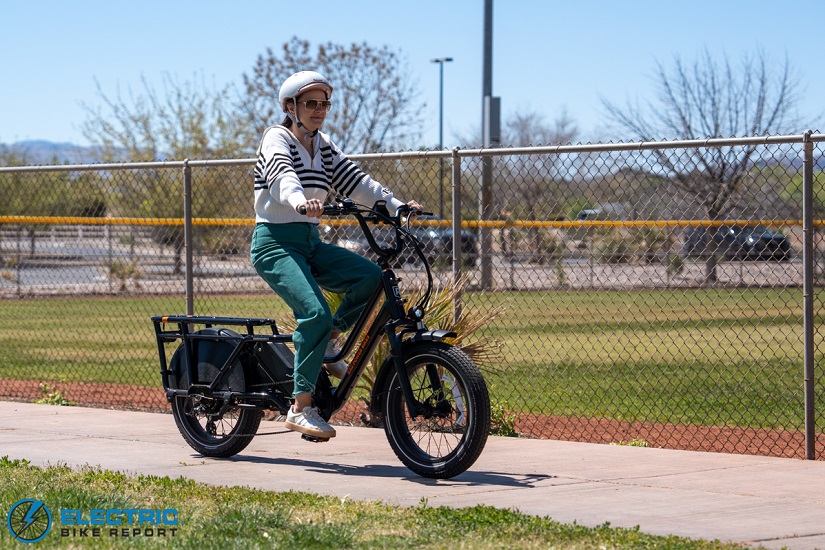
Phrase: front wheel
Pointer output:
(450, 434)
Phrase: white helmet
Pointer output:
(301, 82)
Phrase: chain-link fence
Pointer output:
(663, 294)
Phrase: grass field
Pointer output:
(708, 356)
(704, 356)
(100, 339)
(238, 517)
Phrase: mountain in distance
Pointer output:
(40, 151)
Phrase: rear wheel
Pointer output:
(449, 436)
(212, 431)
(209, 425)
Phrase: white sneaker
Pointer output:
(339, 368)
(309, 422)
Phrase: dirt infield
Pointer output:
(723, 439)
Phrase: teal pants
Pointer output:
(297, 264)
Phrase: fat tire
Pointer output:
(458, 446)
(242, 426)
(228, 434)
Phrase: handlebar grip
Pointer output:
(405, 209)
(413, 211)
(329, 210)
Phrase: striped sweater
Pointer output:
(286, 177)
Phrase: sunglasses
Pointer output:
(315, 104)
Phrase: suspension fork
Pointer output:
(398, 325)
(415, 407)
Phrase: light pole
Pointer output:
(441, 61)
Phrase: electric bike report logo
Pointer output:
(29, 520)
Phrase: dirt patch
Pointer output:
(723, 439)
(108, 396)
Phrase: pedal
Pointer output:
(313, 439)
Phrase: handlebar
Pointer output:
(349, 207)
(378, 214)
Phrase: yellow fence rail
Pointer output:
(249, 222)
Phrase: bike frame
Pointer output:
(391, 319)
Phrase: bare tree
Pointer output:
(711, 99)
(188, 119)
(530, 180)
(534, 183)
(526, 128)
(374, 103)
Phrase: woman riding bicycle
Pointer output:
(298, 167)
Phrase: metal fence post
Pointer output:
(18, 262)
(491, 138)
(110, 251)
(187, 236)
(808, 290)
(456, 192)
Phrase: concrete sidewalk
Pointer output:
(773, 502)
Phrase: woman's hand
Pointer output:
(414, 209)
(314, 208)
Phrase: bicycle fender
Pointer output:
(432, 336)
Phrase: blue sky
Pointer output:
(549, 55)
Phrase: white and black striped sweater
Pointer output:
(286, 177)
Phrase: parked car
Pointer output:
(436, 242)
(737, 242)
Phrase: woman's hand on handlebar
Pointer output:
(414, 209)
(315, 209)
(312, 208)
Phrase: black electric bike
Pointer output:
(430, 395)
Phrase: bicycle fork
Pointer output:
(395, 329)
